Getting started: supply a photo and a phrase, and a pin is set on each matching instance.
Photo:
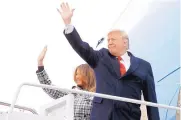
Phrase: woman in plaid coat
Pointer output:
(85, 80)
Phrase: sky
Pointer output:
(26, 26)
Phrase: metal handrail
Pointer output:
(91, 94)
(19, 107)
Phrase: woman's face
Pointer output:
(80, 79)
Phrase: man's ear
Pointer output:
(125, 42)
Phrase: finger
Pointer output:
(45, 47)
(44, 51)
(73, 10)
(59, 11)
(67, 6)
(63, 6)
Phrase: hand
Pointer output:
(66, 13)
(42, 56)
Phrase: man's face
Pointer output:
(116, 43)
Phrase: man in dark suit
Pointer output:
(118, 72)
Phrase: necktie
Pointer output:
(122, 67)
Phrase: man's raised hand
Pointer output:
(66, 13)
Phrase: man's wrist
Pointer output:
(67, 22)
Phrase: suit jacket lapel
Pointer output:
(134, 63)
(112, 63)
(116, 66)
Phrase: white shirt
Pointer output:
(69, 28)
(125, 58)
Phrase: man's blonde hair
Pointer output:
(123, 34)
